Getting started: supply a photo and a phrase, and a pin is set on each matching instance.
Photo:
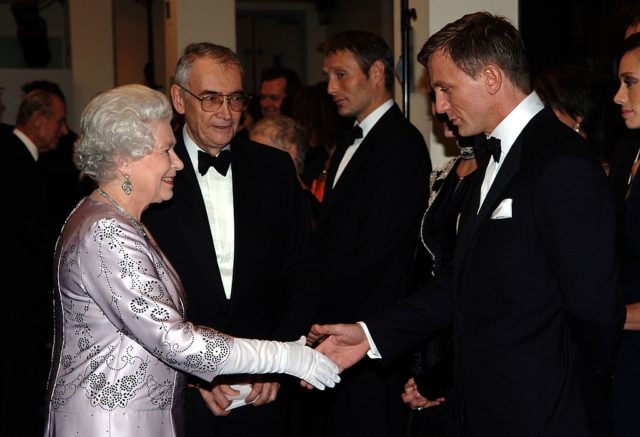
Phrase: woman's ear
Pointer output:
(493, 77)
(123, 164)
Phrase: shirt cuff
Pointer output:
(373, 352)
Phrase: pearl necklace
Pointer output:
(136, 224)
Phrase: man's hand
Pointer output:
(215, 398)
(345, 345)
(414, 399)
(263, 392)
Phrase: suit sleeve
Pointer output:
(129, 285)
(415, 318)
(575, 215)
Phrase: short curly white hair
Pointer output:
(117, 124)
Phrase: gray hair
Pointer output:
(117, 124)
(283, 131)
(194, 51)
(33, 102)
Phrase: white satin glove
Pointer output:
(292, 357)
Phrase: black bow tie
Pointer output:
(220, 163)
(493, 147)
(352, 135)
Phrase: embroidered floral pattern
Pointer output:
(121, 334)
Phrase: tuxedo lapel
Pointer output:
(244, 207)
(329, 191)
(351, 171)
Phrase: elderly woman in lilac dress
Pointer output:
(123, 344)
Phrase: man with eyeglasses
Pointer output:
(238, 232)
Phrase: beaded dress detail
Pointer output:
(122, 343)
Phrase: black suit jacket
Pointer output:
(29, 262)
(273, 295)
(535, 305)
(367, 232)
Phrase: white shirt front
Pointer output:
(507, 132)
(217, 193)
(366, 125)
(28, 143)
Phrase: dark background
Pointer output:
(580, 32)
(583, 32)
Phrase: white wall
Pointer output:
(92, 52)
(194, 21)
(131, 40)
(432, 15)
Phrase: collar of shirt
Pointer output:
(366, 125)
(370, 120)
(28, 143)
(192, 150)
(509, 129)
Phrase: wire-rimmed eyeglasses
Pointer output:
(213, 101)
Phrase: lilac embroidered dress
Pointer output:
(121, 341)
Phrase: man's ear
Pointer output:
(177, 96)
(38, 119)
(293, 151)
(376, 71)
(493, 77)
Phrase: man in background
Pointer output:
(28, 243)
(276, 84)
(376, 192)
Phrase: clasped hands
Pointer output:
(216, 396)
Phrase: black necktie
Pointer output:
(220, 162)
(352, 135)
(493, 147)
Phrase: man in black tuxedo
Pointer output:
(532, 292)
(376, 192)
(238, 234)
(28, 243)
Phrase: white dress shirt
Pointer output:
(507, 131)
(366, 125)
(217, 193)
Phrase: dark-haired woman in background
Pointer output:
(626, 389)
(580, 98)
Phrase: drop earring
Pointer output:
(127, 187)
(576, 127)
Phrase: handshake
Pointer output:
(337, 347)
